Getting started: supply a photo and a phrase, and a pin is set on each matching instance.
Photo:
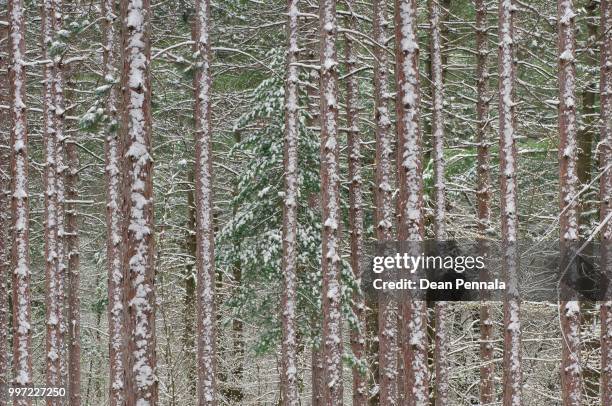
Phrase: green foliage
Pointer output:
(252, 238)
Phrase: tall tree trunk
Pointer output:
(410, 203)
(138, 256)
(20, 264)
(114, 255)
(330, 201)
(53, 285)
(606, 196)
(584, 167)
(437, 81)
(289, 389)
(22, 333)
(5, 184)
(483, 195)
(60, 144)
(73, 256)
(190, 289)
(387, 313)
(571, 374)
(204, 215)
(509, 206)
(70, 263)
(358, 331)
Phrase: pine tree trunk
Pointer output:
(410, 203)
(5, 219)
(204, 215)
(387, 309)
(190, 289)
(606, 196)
(54, 339)
(358, 332)
(113, 154)
(330, 201)
(74, 301)
(20, 264)
(509, 205)
(441, 308)
(289, 389)
(571, 374)
(483, 194)
(60, 144)
(138, 257)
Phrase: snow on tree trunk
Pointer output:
(387, 309)
(73, 324)
(54, 339)
(204, 218)
(330, 201)
(483, 195)
(509, 204)
(410, 204)
(22, 333)
(571, 373)
(138, 256)
(441, 308)
(116, 322)
(358, 331)
(5, 219)
(289, 389)
(606, 196)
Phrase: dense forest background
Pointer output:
(249, 69)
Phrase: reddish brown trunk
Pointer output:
(483, 195)
(207, 391)
(330, 202)
(571, 374)
(138, 257)
(5, 220)
(113, 154)
(387, 309)
(20, 257)
(410, 201)
(357, 338)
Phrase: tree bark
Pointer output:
(410, 203)
(441, 308)
(138, 256)
(606, 196)
(289, 389)
(114, 255)
(571, 374)
(483, 195)
(204, 215)
(509, 205)
(5, 219)
(330, 200)
(387, 308)
(358, 331)
(22, 333)
(54, 339)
